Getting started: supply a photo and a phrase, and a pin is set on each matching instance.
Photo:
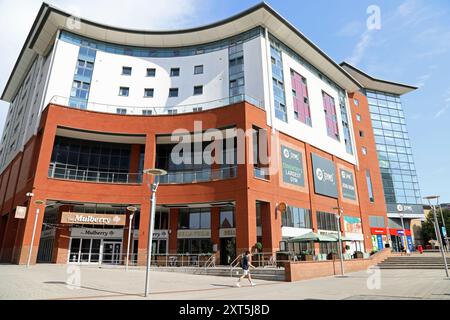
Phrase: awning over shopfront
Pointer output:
(311, 236)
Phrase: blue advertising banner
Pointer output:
(410, 243)
(292, 166)
(324, 176)
(347, 184)
(380, 241)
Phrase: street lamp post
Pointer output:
(132, 210)
(30, 251)
(405, 240)
(338, 217)
(445, 227)
(438, 233)
(153, 187)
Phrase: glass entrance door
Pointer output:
(111, 252)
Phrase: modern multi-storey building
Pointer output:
(93, 105)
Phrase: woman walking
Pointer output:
(245, 267)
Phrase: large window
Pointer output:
(80, 90)
(394, 149)
(297, 218)
(195, 218)
(278, 83)
(194, 246)
(84, 68)
(329, 107)
(369, 186)
(227, 218)
(89, 158)
(161, 220)
(326, 221)
(301, 98)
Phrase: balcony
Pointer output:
(65, 173)
(163, 110)
(184, 177)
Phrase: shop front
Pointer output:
(227, 245)
(379, 238)
(95, 238)
(398, 239)
(97, 246)
(354, 237)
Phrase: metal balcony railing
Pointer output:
(162, 110)
(65, 173)
(179, 177)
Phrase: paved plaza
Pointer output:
(88, 282)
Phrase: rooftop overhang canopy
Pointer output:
(51, 19)
(369, 82)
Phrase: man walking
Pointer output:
(245, 267)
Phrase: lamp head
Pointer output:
(131, 209)
(155, 172)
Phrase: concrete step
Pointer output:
(413, 262)
(262, 273)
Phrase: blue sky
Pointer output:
(412, 46)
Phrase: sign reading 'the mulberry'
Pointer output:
(347, 184)
(292, 166)
(324, 176)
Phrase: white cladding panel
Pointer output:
(107, 80)
(316, 135)
(255, 70)
(63, 71)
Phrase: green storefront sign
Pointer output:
(292, 166)
(348, 184)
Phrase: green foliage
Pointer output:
(259, 246)
(428, 232)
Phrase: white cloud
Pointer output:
(18, 17)
(351, 29)
(446, 106)
(360, 48)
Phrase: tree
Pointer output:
(428, 232)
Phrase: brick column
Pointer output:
(62, 239)
(31, 214)
(9, 237)
(271, 227)
(173, 226)
(134, 162)
(215, 226)
(143, 233)
(245, 224)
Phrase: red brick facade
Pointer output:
(29, 172)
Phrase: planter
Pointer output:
(307, 257)
(332, 256)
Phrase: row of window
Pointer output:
(200, 218)
(150, 92)
(301, 99)
(151, 72)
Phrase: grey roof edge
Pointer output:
(398, 84)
